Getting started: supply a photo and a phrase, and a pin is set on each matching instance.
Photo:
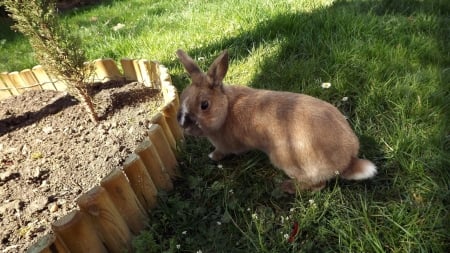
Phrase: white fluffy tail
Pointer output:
(360, 169)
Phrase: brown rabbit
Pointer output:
(309, 139)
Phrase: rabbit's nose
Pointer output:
(184, 119)
(179, 115)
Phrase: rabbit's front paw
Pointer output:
(216, 155)
(290, 186)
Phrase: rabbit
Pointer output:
(307, 138)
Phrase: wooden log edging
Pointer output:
(150, 73)
(110, 214)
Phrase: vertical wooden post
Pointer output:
(165, 93)
(17, 81)
(170, 113)
(140, 181)
(106, 70)
(164, 74)
(30, 80)
(7, 80)
(154, 75)
(126, 202)
(175, 95)
(128, 69)
(166, 83)
(77, 233)
(144, 68)
(59, 246)
(157, 137)
(111, 227)
(47, 81)
(170, 94)
(137, 70)
(60, 83)
(5, 91)
(48, 244)
(9, 83)
(154, 165)
(43, 78)
(159, 119)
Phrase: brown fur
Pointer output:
(309, 139)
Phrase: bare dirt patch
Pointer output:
(51, 153)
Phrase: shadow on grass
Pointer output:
(73, 5)
(7, 33)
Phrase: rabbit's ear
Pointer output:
(189, 64)
(219, 68)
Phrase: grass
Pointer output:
(389, 58)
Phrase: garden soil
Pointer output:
(51, 153)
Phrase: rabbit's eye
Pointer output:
(204, 105)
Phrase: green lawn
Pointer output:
(391, 59)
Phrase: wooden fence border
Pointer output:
(110, 214)
(151, 73)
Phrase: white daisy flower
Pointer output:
(118, 27)
(326, 85)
